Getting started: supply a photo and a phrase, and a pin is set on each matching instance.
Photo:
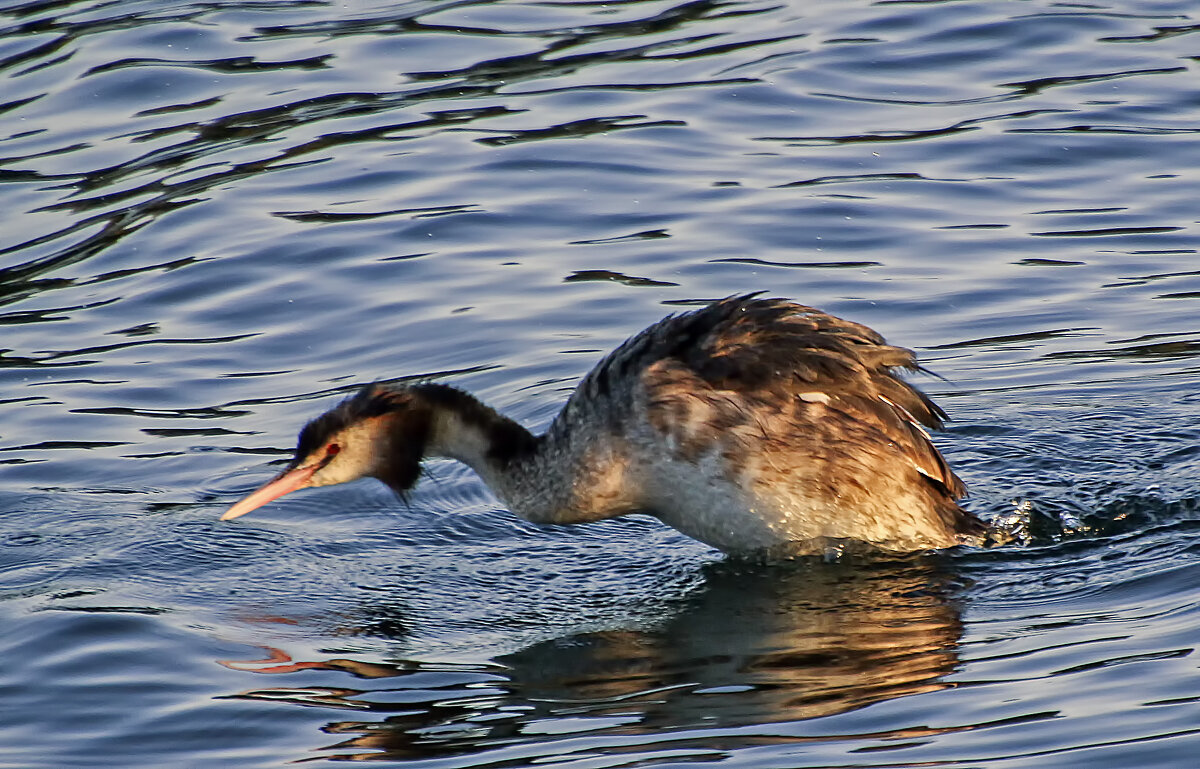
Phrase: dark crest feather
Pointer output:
(371, 401)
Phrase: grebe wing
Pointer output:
(766, 355)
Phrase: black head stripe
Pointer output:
(371, 401)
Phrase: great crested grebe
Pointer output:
(751, 424)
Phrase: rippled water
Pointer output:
(218, 216)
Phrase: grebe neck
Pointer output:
(568, 475)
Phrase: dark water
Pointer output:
(217, 216)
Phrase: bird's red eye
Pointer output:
(331, 451)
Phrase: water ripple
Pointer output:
(222, 217)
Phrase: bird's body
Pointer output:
(751, 424)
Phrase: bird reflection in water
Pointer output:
(756, 644)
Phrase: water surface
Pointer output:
(220, 216)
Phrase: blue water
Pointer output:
(217, 217)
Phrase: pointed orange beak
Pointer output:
(288, 480)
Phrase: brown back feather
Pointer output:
(770, 351)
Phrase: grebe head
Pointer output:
(379, 432)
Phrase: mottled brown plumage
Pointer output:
(749, 424)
